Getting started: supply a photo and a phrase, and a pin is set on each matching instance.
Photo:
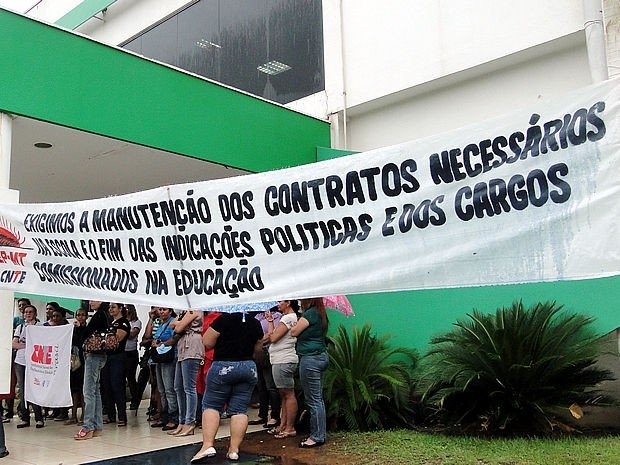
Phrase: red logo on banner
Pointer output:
(42, 354)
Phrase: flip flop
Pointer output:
(285, 434)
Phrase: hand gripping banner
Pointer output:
(532, 196)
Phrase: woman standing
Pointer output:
(3, 450)
(93, 364)
(76, 377)
(230, 381)
(115, 367)
(310, 332)
(133, 358)
(284, 361)
(190, 354)
(164, 372)
(19, 344)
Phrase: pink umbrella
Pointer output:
(340, 303)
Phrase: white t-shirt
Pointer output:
(283, 351)
(132, 342)
(20, 332)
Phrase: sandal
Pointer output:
(83, 434)
(306, 445)
(285, 434)
(121, 423)
(274, 431)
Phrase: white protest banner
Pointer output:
(532, 196)
(48, 364)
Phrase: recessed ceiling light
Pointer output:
(273, 67)
(43, 145)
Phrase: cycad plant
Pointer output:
(518, 371)
(368, 383)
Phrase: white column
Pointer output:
(6, 297)
(595, 39)
(6, 138)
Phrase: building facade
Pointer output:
(381, 74)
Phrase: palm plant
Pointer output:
(368, 383)
(515, 372)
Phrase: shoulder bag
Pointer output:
(101, 342)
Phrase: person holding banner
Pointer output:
(93, 364)
(19, 344)
(310, 332)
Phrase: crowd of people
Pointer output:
(202, 366)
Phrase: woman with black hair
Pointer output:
(93, 364)
(115, 368)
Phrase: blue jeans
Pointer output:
(185, 387)
(230, 384)
(93, 409)
(311, 371)
(165, 383)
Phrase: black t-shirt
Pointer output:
(123, 324)
(237, 338)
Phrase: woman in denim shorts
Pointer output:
(230, 380)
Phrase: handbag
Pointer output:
(101, 342)
(76, 363)
(162, 354)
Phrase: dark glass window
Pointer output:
(269, 48)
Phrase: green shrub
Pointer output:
(515, 372)
(368, 383)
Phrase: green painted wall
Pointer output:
(414, 317)
(69, 304)
(51, 74)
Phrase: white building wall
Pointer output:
(418, 68)
(463, 98)
(396, 44)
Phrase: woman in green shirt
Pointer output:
(310, 332)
